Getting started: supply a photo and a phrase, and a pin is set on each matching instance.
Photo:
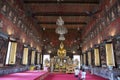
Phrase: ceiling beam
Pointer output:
(53, 29)
(66, 23)
(63, 2)
(60, 14)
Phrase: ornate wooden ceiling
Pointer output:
(75, 13)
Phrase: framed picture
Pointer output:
(10, 14)
(25, 29)
(19, 23)
(1, 23)
(22, 26)
(4, 9)
(115, 10)
(15, 19)
(113, 13)
(107, 20)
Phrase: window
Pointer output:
(89, 58)
(11, 53)
(33, 57)
(38, 58)
(46, 60)
(25, 56)
(109, 54)
(76, 59)
(84, 58)
(97, 57)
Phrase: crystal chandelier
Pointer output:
(59, 21)
(61, 37)
(60, 29)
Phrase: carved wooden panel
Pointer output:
(3, 50)
(29, 56)
(92, 58)
(19, 53)
(117, 52)
(103, 55)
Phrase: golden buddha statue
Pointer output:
(61, 51)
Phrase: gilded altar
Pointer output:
(61, 62)
(61, 65)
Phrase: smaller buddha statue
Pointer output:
(61, 51)
(47, 63)
(69, 62)
(76, 62)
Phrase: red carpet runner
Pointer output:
(27, 75)
(63, 76)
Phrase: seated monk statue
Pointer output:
(61, 51)
(47, 63)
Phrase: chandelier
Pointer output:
(61, 29)
(61, 37)
(60, 21)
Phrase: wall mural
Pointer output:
(109, 15)
(3, 50)
(13, 11)
(103, 55)
(19, 53)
